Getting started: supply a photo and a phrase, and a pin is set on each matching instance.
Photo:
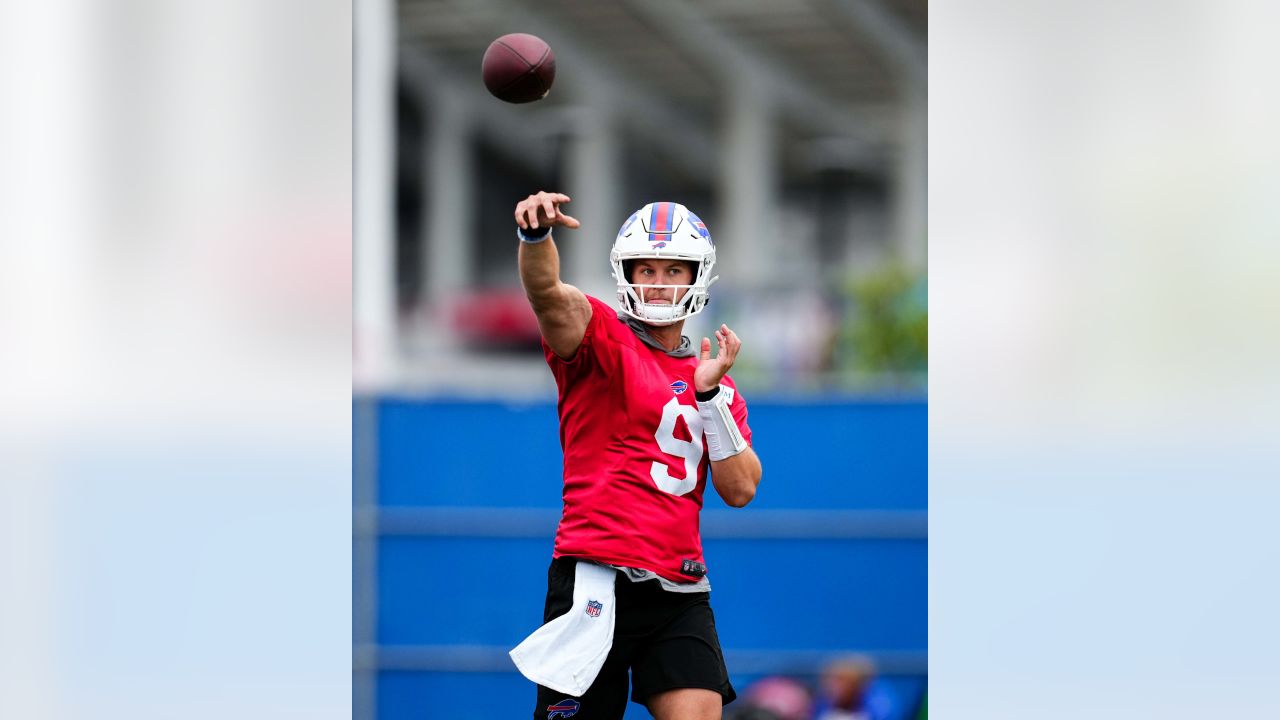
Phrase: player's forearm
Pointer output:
(540, 271)
(562, 310)
(737, 477)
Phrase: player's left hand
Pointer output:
(711, 369)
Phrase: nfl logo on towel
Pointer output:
(594, 607)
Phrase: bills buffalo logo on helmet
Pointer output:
(634, 216)
(699, 226)
(594, 607)
(564, 709)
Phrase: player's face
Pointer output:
(662, 272)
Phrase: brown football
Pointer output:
(519, 68)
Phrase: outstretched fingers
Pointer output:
(735, 343)
(527, 212)
(551, 204)
(543, 208)
(730, 344)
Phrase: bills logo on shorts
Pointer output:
(594, 607)
(679, 386)
(564, 709)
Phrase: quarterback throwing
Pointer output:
(644, 416)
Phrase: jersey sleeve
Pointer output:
(599, 347)
(738, 408)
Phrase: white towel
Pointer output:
(567, 653)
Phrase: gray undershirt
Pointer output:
(684, 349)
(638, 575)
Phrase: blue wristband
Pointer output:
(533, 235)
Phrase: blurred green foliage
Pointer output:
(885, 331)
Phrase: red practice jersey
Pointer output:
(635, 460)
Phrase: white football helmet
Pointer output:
(666, 231)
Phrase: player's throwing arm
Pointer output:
(562, 310)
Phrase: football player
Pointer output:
(644, 414)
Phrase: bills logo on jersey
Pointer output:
(564, 709)
(594, 607)
(679, 386)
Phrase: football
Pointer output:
(518, 68)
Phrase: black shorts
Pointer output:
(666, 639)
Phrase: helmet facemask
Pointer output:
(663, 231)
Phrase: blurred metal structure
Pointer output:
(763, 112)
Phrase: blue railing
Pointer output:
(457, 503)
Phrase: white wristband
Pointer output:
(724, 439)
